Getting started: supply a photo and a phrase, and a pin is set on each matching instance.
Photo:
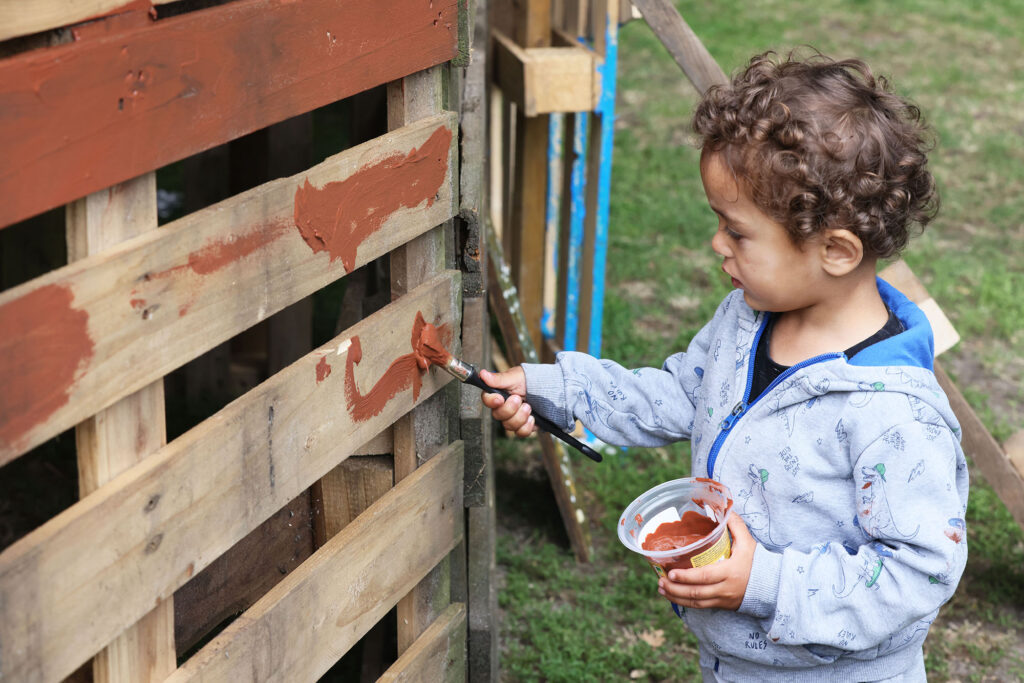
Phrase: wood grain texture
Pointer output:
(504, 302)
(437, 655)
(984, 450)
(544, 80)
(107, 559)
(121, 435)
(22, 19)
(243, 574)
(682, 43)
(87, 115)
(103, 327)
(305, 623)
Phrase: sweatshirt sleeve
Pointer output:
(622, 407)
(911, 495)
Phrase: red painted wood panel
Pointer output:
(80, 117)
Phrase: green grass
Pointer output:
(961, 63)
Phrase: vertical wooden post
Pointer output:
(421, 433)
(123, 434)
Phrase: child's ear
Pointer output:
(841, 251)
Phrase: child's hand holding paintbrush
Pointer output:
(514, 413)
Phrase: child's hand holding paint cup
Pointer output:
(682, 528)
(513, 413)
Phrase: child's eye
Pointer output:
(732, 233)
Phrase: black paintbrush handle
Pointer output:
(538, 419)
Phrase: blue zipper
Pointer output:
(741, 408)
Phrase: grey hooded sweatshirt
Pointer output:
(848, 473)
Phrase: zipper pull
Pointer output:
(737, 410)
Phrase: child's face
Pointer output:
(774, 273)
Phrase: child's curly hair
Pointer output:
(823, 144)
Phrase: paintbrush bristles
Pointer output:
(431, 347)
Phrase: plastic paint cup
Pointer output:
(668, 502)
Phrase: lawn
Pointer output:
(962, 64)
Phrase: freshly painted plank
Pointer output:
(306, 622)
(19, 18)
(85, 335)
(80, 117)
(68, 588)
(437, 655)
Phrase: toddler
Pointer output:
(810, 393)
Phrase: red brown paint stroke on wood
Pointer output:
(323, 370)
(405, 371)
(209, 259)
(339, 216)
(90, 114)
(45, 344)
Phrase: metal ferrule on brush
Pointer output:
(461, 371)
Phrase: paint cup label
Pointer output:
(721, 550)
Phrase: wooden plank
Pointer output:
(504, 303)
(104, 561)
(243, 574)
(529, 216)
(87, 115)
(437, 655)
(533, 23)
(22, 19)
(305, 623)
(107, 325)
(902, 278)
(984, 450)
(682, 43)
(423, 432)
(120, 436)
(545, 80)
(351, 487)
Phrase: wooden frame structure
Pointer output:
(352, 437)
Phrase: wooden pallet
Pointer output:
(347, 437)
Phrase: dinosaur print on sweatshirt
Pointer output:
(878, 520)
(756, 512)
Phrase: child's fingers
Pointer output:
(690, 595)
(513, 380)
(508, 410)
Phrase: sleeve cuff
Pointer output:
(763, 585)
(545, 392)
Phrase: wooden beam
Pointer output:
(306, 622)
(423, 432)
(168, 517)
(84, 336)
(902, 278)
(120, 436)
(533, 23)
(87, 115)
(544, 80)
(529, 219)
(682, 43)
(504, 302)
(984, 450)
(437, 655)
(350, 488)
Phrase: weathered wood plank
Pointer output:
(69, 587)
(423, 432)
(437, 655)
(544, 80)
(242, 575)
(350, 488)
(505, 303)
(984, 450)
(84, 116)
(85, 335)
(682, 43)
(305, 623)
(118, 437)
(902, 278)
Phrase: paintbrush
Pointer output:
(431, 348)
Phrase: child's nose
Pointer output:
(720, 245)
